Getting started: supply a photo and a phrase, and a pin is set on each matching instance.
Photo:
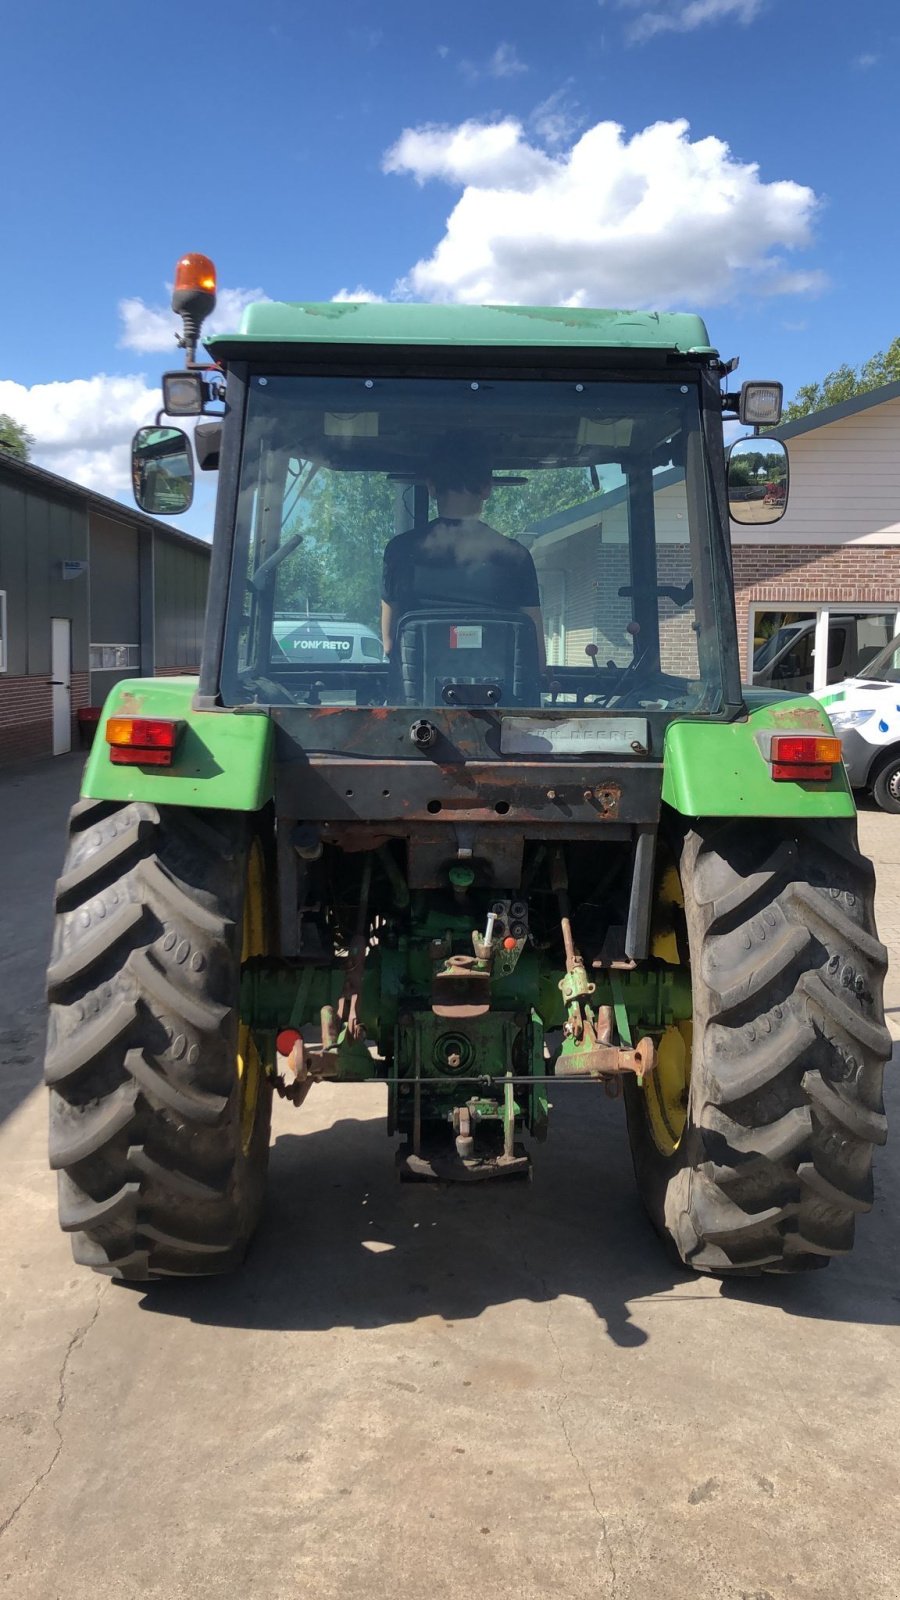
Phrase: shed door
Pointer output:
(61, 680)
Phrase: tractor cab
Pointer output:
(521, 542)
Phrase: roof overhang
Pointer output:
(269, 324)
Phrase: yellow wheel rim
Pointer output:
(664, 943)
(249, 1066)
(666, 1088)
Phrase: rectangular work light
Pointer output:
(183, 394)
(142, 741)
(760, 404)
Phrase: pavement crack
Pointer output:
(62, 1399)
(560, 1402)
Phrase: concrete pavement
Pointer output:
(423, 1394)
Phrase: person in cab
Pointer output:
(458, 560)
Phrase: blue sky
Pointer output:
(313, 150)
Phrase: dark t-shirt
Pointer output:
(458, 563)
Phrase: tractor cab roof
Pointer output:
(271, 323)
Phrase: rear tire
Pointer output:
(784, 1104)
(161, 1156)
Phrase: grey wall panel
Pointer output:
(182, 577)
(13, 569)
(102, 682)
(71, 597)
(147, 640)
(115, 587)
(38, 518)
(55, 531)
(37, 534)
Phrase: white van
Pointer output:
(785, 660)
(865, 711)
(325, 640)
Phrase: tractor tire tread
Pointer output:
(789, 1049)
(154, 1176)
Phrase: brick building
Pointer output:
(90, 592)
(834, 558)
(832, 562)
(582, 560)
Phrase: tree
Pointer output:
(516, 507)
(14, 439)
(845, 382)
(346, 521)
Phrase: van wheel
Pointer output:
(886, 787)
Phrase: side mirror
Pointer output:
(162, 471)
(758, 480)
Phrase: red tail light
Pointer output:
(142, 741)
(803, 757)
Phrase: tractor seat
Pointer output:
(465, 658)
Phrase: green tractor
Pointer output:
(543, 835)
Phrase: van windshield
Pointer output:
(885, 667)
(416, 541)
(775, 643)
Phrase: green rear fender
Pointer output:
(223, 759)
(716, 769)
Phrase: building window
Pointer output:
(806, 648)
(3, 657)
(114, 657)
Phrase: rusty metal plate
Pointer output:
(461, 733)
(344, 789)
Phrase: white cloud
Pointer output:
(473, 152)
(145, 327)
(505, 63)
(557, 118)
(682, 16)
(357, 294)
(150, 328)
(82, 429)
(655, 220)
(866, 60)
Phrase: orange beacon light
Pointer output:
(195, 272)
(193, 298)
